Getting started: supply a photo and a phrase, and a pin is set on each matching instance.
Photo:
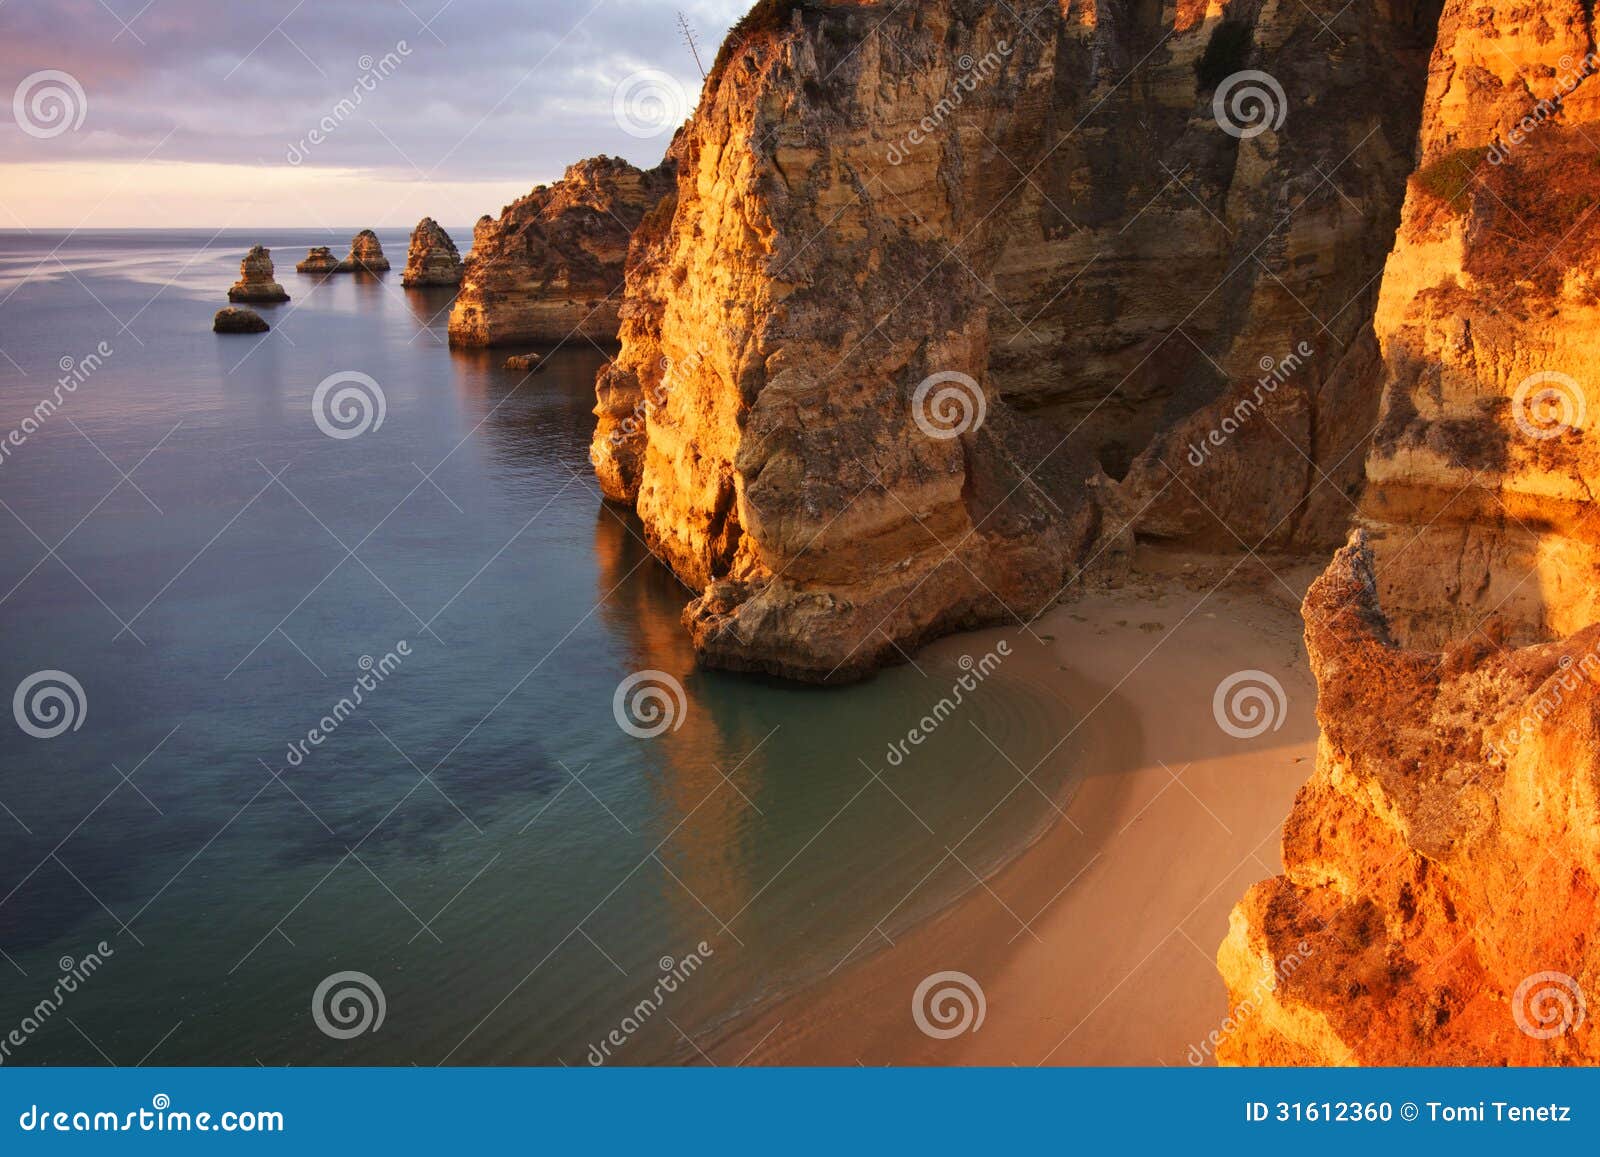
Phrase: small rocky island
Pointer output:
(235, 320)
(366, 255)
(256, 279)
(319, 259)
(432, 259)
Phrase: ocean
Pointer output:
(348, 764)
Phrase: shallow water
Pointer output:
(480, 837)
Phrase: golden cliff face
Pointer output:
(888, 213)
(549, 268)
(1439, 899)
(1489, 321)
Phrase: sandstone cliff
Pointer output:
(432, 258)
(1438, 904)
(550, 267)
(319, 259)
(888, 213)
(256, 281)
(366, 255)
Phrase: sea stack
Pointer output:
(551, 266)
(366, 255)
(233, 320)
(320, 259)
(255, 278)
(432, 258)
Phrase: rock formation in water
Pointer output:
(256, 279)
(524, 362)
(232, 320)
(550, 267)
(1439, 900)
(432, 258)
(366, 255)
(945, 306)
(319, 259)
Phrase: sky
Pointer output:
(329, 113)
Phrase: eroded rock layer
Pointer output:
(256, 279)
(1438, 904)
(1072, 227)
(550, 267)
(366, 255)
(319, 259)
(432, 258)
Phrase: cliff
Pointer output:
(550, 267)
(1438, 903)
(432, 258)
(944, 302)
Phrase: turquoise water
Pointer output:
(479, 836)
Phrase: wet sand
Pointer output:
(1096, 945)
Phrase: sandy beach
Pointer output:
(1096, 945)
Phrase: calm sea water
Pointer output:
(480, 838)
